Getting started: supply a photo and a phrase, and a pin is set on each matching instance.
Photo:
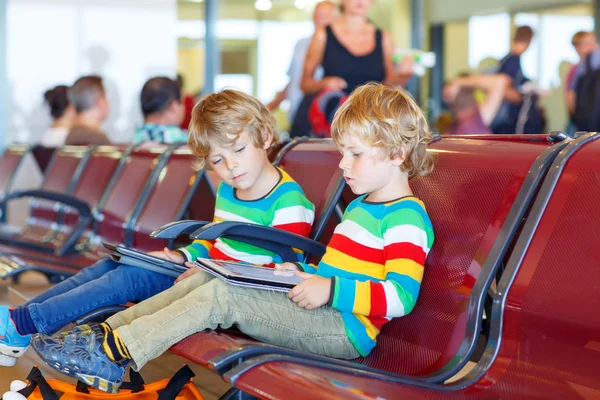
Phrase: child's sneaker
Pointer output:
(82, 358)
(12, 344)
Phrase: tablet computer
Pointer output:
(128, 256)
(248, 275)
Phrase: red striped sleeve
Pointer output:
(299, 228)
(378, 299)
(405, 250)
(348, 246)
(217, 254)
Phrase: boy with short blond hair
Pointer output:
(232, 132)
(371, 271)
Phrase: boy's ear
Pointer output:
(398, 158)
(267, 140)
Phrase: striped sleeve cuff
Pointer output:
(304, 267)
(185, 253)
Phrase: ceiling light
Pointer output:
(263, 5)
(301, 4)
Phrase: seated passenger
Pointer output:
(469, 116)
(371, 271)
(163, 112)
(89, 98)
(232, 132)
(63, 115)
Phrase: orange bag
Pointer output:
(179, 387)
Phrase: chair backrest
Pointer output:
(95, 178)
(169, 199)
(546, 325)
(313, 164)
(9, 163)
(125, 191)
(62, 174)
(468, 197)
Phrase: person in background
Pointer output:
(63, 115)
(584, 43)
(89, 99)
(352, 52)
(469, 116)
(508, 114)
(188, 102)
(323, 14)
(163, 112)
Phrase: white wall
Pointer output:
(54, 42)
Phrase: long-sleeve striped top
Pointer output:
(375, 260)
(284, 207)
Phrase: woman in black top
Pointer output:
(352, 52)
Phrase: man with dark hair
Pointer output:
(507, 116)
(89, 99)
(163, 112)
(469, 116)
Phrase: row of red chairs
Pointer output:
(543, 339)
(478, 197)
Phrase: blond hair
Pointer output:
(222, 117)
(387, 118)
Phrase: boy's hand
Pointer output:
(286, 266)
(311, 293)
(168, 255)
(191, 271)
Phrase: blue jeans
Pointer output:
(105, 283)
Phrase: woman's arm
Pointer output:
(314, 58)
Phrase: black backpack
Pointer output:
(587, 103)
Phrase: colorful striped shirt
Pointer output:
(375, 260)
(284, 207)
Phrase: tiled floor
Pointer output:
(210, 385)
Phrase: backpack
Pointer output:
(587, 103)
(179, 387)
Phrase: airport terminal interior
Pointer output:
(337, 199)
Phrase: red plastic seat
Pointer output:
(126, 191)
(9, 163)
(469, 196)
(43, 222)
(544, 337)
(171, 195)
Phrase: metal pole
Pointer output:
(436, 78)
(212, 54)
(4, 117)
(416, 41)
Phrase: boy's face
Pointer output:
(240, 164)
(366, 170)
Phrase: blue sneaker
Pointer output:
(80, 335)
(12, 344)
(83, 359)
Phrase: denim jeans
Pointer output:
(200, 302)
(105, 283)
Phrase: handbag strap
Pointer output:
(36, 379)
(176, 383)
(136, 382)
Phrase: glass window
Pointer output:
(489, 36)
